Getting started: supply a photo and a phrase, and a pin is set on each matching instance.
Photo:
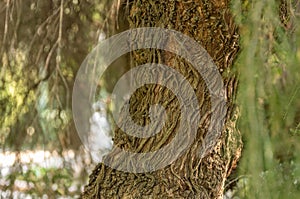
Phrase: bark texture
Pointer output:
(208, 22)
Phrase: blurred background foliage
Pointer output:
(269, 98)
(43, 43)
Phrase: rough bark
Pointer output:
(210, 24)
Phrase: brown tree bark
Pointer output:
(210, 24)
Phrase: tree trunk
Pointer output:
(210, 24)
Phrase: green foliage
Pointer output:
(268, 96)
(41, 49)
(39, 181)
(15, 95)
(42, 44)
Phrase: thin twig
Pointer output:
(60, 23)
(18, 21)
(50, 55)
(290, 101)
(40, 27)
(58, 59)
(2, 72)
(235, 180)
(5, 26)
